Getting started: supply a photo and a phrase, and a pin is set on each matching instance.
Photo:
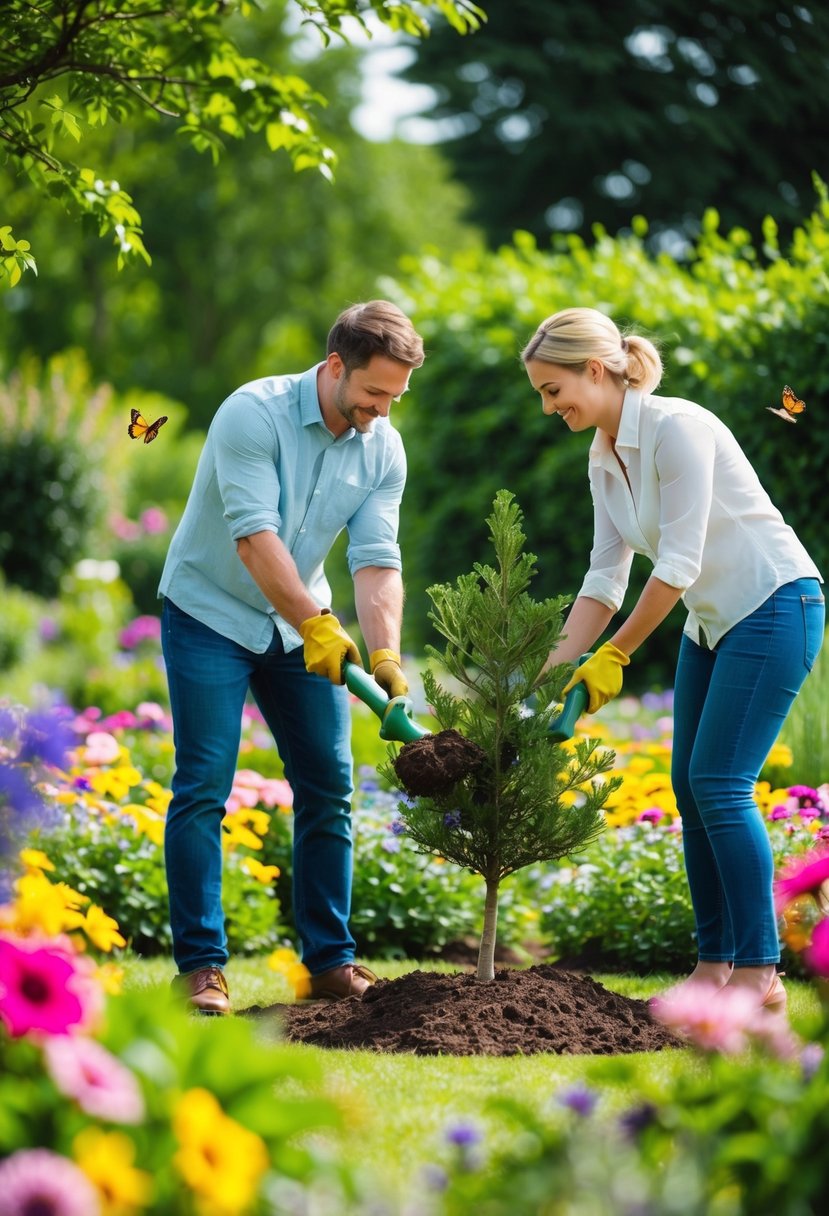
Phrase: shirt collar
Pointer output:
(628, 436)
(310, 410)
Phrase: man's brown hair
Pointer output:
(377, 327)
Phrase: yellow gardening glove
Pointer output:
(386, 669)
(327, 646)
(602, 676)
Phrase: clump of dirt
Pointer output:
(434, 765)
(521, 1012)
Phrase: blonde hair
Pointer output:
(573, 336)
(377, 327)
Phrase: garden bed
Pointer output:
(521, 1012)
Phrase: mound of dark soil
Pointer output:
(519, 1013)
(435, 764)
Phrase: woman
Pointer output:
(669, 480)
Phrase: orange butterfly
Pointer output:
(791, 405)
(140, 428)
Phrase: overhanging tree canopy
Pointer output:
(68, 65)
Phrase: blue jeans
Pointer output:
(729, 706)
(209, 676)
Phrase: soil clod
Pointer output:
(434, 765)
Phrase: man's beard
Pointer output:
(354, 415)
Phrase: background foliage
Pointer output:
(561, 116)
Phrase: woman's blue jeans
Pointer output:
(209, 677)
(729, 706)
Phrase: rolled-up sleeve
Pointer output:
(684, 453)
(246, 453)
(610, 558)
(373, 528)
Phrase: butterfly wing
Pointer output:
(138, 425)
(781, 414)
(791, 401)
(152, 431)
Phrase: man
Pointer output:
(289, 461)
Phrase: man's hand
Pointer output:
(386, 669)
(327, 646)
(602, 676)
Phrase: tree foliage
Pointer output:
(69, 66)
(560, 115)
(251, 260)
(735, 324)
(534, 801)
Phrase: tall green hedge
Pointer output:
(734, 325)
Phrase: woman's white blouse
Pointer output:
(694, 505)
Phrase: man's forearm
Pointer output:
(378, 598)
(274, 571)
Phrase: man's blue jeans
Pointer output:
(729, 706)
(209, 676)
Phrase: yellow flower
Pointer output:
(220, 1160)
(102, 930)
(236, 834)
(781, 756)
(115, 782)
(107, 1160)
(639, 764)
(111, 978)
(148, 823)
(51, 908)
(262, 873)
(286, 962)
(34, 859)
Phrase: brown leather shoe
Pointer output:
(205, 991)
(349, 980)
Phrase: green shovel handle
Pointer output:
(395, 714)
(563, 726)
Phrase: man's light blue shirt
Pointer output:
(269, 463)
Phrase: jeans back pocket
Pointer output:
(814, 616)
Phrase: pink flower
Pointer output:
(100, 1084)
(807, 813)
(153, 521)
(122, 720)
(780, 812)
(39, 1181)
(816, 954)
(150, 713)
(42, 989)
(716, 1019)
(100, 748)
(802, 876)
(124, 529)
(652, 815)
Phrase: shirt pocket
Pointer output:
(341, 501)
(814, 616)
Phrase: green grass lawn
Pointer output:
(399, 1106)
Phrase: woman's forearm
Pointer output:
(654, 604)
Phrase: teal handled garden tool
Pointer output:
(563, 726)
(397, 724)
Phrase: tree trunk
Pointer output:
(486, 951)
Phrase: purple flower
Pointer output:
(452, 819)
(579, 1099)
(634, 1121)
(391, 844)
(463, 1135)
(397, 827)
(434, 1177)
(811, 1058)
(46, 737)
(47, 629)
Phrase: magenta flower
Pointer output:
(98, 1081)
(38, 1181)
(142, 629)
(652, 815)
(802, 876)
(816, 954)
(121, 720)
(38, 989)
(781, 811)
(808, 813)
